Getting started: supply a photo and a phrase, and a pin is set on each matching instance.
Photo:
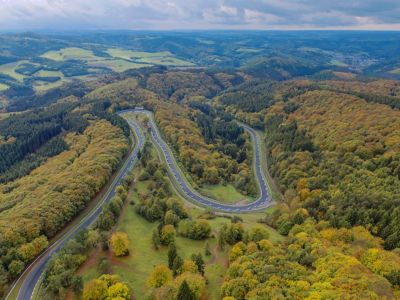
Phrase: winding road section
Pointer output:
(263, 200)
(29, 280)
(31, 277)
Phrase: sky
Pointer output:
(198, 14)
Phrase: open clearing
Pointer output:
(3, 87)
(224, 193)
(70, 53)
(395, 71)
(164, 58)
(9, 69)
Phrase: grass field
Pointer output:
(395, 71)
(248, 50)
(224, 193)
(120, 60)
(42, 86)
(9, 69)
(338, 63)
(117, 65)
(153, 58)
(70, 53)
(135, 268)
(3, 87)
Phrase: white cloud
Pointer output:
(197, 14)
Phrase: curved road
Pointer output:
(31, 277)
(264, 199)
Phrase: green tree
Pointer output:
(172, 254)
(160, 276)
(185, 293)
(155, 239)
(199, 261)
(177, 265)
(167, 234)
(207, 251)
(120, 244)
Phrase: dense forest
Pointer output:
(63, 156)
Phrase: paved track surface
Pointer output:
(31, 277)
(33, 273)
(264, 199)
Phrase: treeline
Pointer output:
(60, 274)
(377, 91)
(30, 138)
(37, 206)
(31, 161)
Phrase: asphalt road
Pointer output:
(263, 200)
(30, 278)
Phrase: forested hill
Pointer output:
(53, 161)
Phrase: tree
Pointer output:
(171, 218)
(103, 266)
(177, 265)
(155, 239)
(185, 293)
(207, 251)
(118, 291)
(120, 244)
(237, 250)
(196, 230)
(160, 276)
(167, 234)
(222, 237)
(77, 284)
(258, 233)
(15, 268)
(199, 261)
(94, 290)
(106, 287)
(196, 283)
(189, 266)
(172, 254)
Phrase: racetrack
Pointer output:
(263, 200)
(30, 279)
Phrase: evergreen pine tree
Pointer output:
(156, 239)
(198, 260)
(177, 265)
(207, 251)
(171, 254)
(185, 293)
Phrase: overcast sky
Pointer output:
(199, 14)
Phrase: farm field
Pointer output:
(3, 87)
(9, 69)
(70, 53)
(395, 71)
(78, 63)
(164, 58)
